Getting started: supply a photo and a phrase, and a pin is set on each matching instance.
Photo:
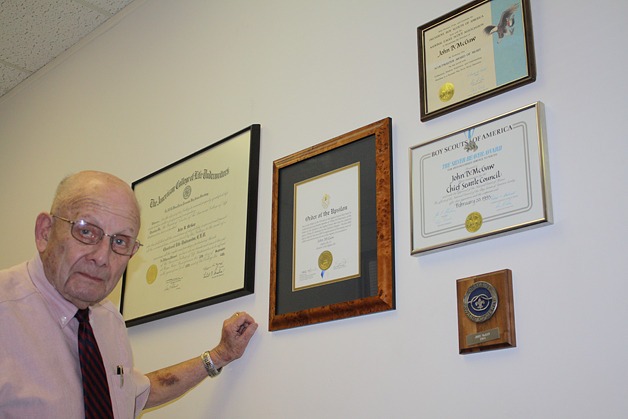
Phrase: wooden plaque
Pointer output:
(486, 317)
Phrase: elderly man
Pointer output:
(52, 308)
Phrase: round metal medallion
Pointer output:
(480, 302)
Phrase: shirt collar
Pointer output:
(60, 308)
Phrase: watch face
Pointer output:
(480, 302)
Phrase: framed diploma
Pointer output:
(199, 220)
(482, 181)
(332, 235)
(479, 50)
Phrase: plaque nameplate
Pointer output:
(486, 319)
(483, 336)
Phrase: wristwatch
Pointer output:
(211, 369)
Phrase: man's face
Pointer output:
(85, 274)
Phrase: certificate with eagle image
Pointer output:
(479, 50)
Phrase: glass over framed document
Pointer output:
(488, 179)
(332, 236)
(199, 221)
(479, 50)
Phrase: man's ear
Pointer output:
(43, 228)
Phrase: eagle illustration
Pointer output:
(506, 25)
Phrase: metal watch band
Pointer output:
(211, 369)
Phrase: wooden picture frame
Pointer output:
(477, 51)
(332, 245)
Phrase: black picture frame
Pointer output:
(199, 225)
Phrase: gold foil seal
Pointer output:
(151, 274)
(473, 222)
(446, 92)
(325, 259)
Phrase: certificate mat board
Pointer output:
(481, 181)
(199, 220)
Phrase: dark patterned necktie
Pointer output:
(95, 388)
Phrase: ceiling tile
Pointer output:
(34, 32)
(10, 77)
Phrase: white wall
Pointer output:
(168, 78)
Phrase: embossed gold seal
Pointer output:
(151, 274)
(325, 259)
(446, 92)
(473, 222)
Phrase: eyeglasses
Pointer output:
(91, 234)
